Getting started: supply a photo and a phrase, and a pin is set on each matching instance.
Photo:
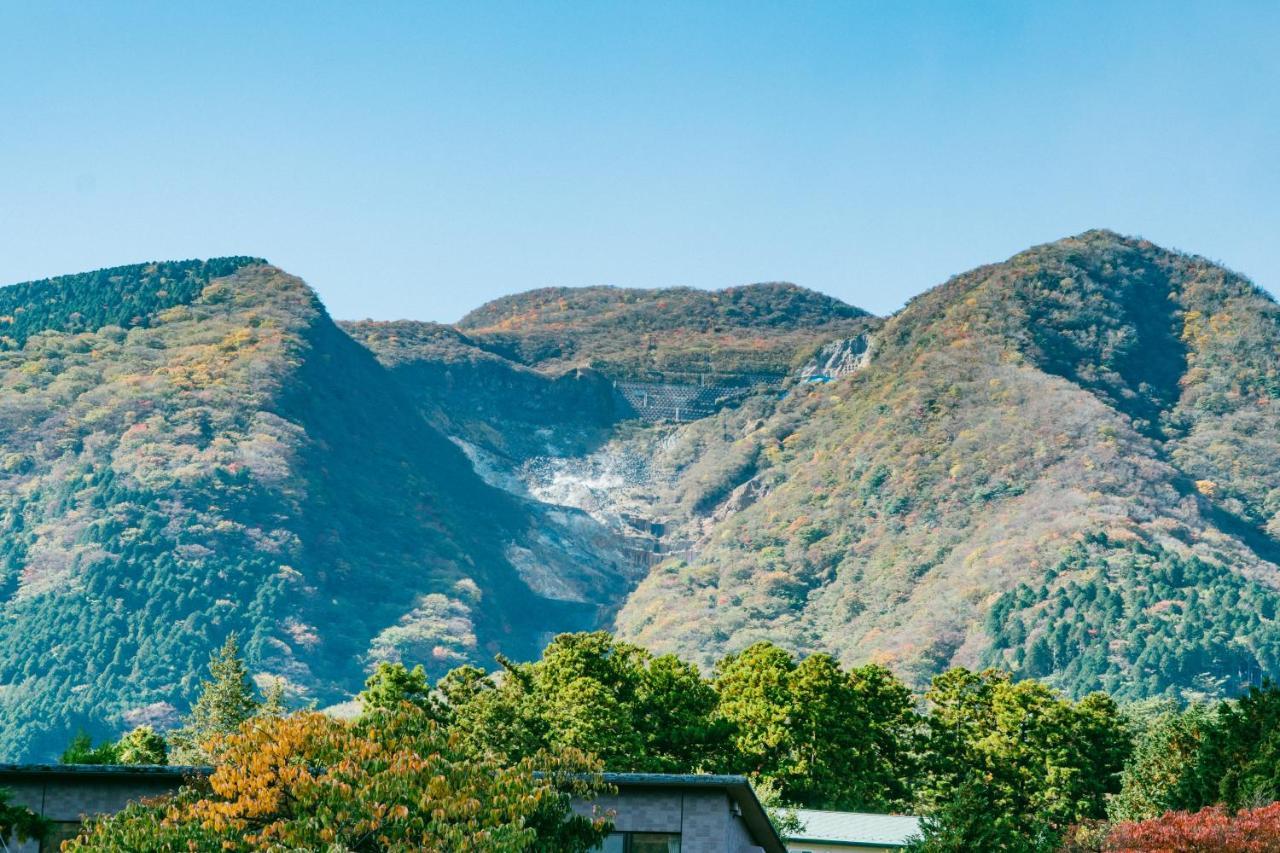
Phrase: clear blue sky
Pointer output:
(413, 160)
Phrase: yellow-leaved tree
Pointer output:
(392, 780)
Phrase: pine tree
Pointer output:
(226, 701)
(273, 704)
(82, 751)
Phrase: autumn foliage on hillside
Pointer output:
(677, 334)
(193, 449)
(1066, 465)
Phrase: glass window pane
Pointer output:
(614, 842)
(655, 842)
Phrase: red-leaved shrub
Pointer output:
(1210, 830)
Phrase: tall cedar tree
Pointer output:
(1036, 762)
(226, 701)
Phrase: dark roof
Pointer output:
(737, 787)
(117, 771)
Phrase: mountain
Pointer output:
(755, 330)
(1066, 464)
(193, 448)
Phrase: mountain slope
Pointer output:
(233, 461)
(1065, 464)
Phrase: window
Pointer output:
(641, 842)
(62, 830)
(653, 842)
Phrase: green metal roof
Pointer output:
(854, 829)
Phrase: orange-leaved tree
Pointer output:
(1211, 830)
(393, 780)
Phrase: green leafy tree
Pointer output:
(502, 719)
(394, 683)
(1038, 763)
(755, 696)
(143, 745)
(595, 694)
(683, 729)
(827, 737)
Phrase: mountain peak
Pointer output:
(771, 303)
(753, 329)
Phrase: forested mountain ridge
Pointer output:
(671, 333)
(1065, 464)
(229, 460)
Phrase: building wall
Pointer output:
(66, 800)
(638, 809)
(705, 828)
(738, 836)
(704, 819)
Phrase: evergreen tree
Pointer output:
(143, 745)
(273, 704)
(1244, 751)
(226, 701)
(970, 819)
(1039, 762)
(82, 751)
(393, 683)
(1166, 770)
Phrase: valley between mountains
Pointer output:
(1066, 464)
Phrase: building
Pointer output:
(667, 813)
(652, 812)
(847, 832)
(65, 793)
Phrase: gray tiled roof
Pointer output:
(855, 828)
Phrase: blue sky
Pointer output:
(413, 160)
